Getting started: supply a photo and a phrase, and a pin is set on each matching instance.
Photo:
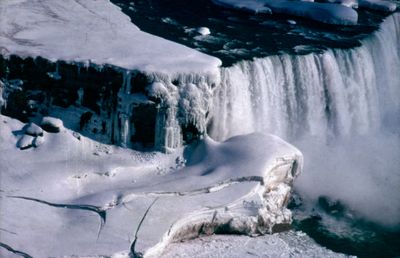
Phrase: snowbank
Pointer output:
(322, 12)
(102, 200)
(338, 12)
(92, 31)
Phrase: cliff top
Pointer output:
(92, 31)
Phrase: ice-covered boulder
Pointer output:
(33, 130)
(204, 31)
(51, 124)
(25, 142)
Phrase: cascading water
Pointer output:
(342, 109)
(337, 93)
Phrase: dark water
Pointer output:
(334, 226)
(236, 36)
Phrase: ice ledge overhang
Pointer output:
(95, 32)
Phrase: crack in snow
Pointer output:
(99, 211)
(137, 230)
(205, 190)
(12, 250)
(8, 231)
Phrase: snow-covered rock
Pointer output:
(128, 201)
(51, 124)
(33, 130)
(25, 142)
(204, 31)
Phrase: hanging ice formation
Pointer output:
(182, 105)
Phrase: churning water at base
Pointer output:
(342, 109)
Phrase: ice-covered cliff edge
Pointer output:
(92, 31)
(60, 199)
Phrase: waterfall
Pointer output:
(340, 107)
(340, 92)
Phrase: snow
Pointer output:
(95, 32)
(204, 31)
(33, 130)
(286, 244)
(321, 12)
(93, 196)
(25, 142)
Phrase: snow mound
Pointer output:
(117, 203)
(25, 142)
(33, 130)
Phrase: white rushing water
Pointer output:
(340, 107)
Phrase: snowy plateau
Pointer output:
(118, 143)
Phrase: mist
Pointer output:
(362, 172)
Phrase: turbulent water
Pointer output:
(342, 109)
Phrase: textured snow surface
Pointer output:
(92, 31)
(73, 196)
(286, 244)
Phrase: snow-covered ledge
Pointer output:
(96, 32)
(71, 196)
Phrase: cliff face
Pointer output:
(113, 105)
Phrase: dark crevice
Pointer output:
(133, 252)
(99, 211)
(12, 250)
